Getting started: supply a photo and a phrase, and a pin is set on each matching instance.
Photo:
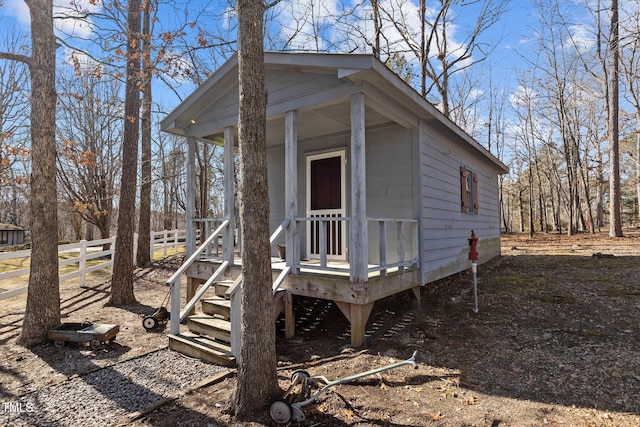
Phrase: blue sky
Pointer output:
(511, 31)
(514, 34)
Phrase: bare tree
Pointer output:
(302, 25)
(122, 276)
(615, 214)
(257, 380)
(143, 257)
(440, 56)
(169, 188)
(43, 298)
(89, 130)
(14, 152)
(630, 62)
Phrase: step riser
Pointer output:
(189, 349)
(213, 309)
(203, 329)
(221, 288)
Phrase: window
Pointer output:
(468, 190)
(4, 237)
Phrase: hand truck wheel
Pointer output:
(149, 323)
(280, 411)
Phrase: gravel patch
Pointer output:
(104, 397)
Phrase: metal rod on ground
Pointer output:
(474, 270)
(473, 257)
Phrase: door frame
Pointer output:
(342, 212)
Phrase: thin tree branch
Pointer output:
(15, 57)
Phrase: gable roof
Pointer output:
(383, 89)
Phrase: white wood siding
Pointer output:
(390, 186)
(390, 180)
(444, 227)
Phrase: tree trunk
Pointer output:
(257, 378)
(638, 175)
(504, 209)
(122, 277)
(615, 214)
(521, 208)
(599, 188)
(43, 298)
(531, 202)
(377, 27)
(143, 258)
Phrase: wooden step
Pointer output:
(217, 306)
(204, 324)
(222, 287)
(202, 348)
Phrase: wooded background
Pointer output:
(546, 118)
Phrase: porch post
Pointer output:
(291, 187)
(190, 243)
(358, 241)
(228, 239)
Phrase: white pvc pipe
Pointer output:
(474, 270)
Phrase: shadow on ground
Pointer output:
(561, 330)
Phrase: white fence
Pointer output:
(87, 251)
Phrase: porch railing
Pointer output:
(402, 242)
(405, 256)
(214, 247)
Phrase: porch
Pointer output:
(344, 239)
(210, 266)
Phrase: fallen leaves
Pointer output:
(322, 408)
(471, 401)
(435, 417)
(349, 414)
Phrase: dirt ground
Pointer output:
(556, 341)
(22, 371)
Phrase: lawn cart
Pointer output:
(300, 394)
(159, 317)
(86, 332)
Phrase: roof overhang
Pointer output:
(385, 92)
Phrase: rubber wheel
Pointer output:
(149, 323)
(58, 343)
(298, 415)
(280, 411)
(95, 345)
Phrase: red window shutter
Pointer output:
(464, 205)
(476, 206)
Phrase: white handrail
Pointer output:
(280, 279)
(187, 308)
(194, 256)
(278, 231)
(174, 280)
(275, 236)
(235, 301)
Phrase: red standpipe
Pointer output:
(473, 244)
